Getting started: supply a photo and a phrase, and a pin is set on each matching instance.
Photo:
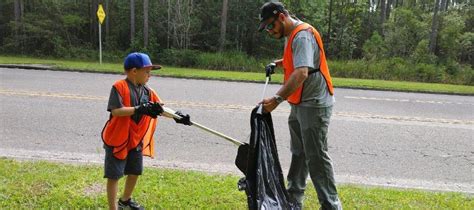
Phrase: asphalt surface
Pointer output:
(384, 138)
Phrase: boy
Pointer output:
(128, 134)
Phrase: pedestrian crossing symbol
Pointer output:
(101, 14)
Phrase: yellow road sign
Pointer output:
(101, 14)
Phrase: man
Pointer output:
(128, 134)
(308, 88)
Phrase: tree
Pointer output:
(17, 10)
(145, 23)
(374, 48)
(383, 8)
(168, 25)
(93, 28)
(69, 28)
(389, 9)
(328, 36)
(422, 54)
(449, 39)
(434, 27)
(225, 7)
(181, 23)
(443, 6)
(132, 21)
(403, 32)
(107, 24)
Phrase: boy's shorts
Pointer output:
(115, 168)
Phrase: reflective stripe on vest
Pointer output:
(295, 97)
(123, 134)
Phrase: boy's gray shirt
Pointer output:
(139, 94)
(306, 54)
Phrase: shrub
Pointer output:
(452, 67)
(175, 57)
(374, 48)
(399, 69)
(228, 61)
(466, 53)
(429, 73)
(347, 69)
(422, 53)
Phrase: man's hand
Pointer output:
(269, 104)
(185, 119)
(270, 69)
(146, 109)
(279, 62)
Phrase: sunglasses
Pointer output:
(271, 25)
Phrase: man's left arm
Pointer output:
(296, 79)
(303, 59)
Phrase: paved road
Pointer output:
(376, 137)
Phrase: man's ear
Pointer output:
(281, 17)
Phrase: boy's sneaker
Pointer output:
(129, 204)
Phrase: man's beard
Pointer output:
(281, 32)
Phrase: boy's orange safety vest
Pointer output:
(295, 97)
(123, 134)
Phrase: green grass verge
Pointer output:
(46, 185)
(246, 76)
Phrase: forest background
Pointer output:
(403, 40)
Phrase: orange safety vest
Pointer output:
(123, 134)
(295, 97)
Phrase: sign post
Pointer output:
(101, 16)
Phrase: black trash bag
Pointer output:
(263, 183)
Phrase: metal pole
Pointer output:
(171, 113)
(100, 43)
(260, 108)
(236, 142)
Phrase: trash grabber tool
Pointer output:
(269, 70)
(172, 114)
(241, 159)
(260, 107)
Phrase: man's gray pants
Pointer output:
(308, 130)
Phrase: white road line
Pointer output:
(406, 100)
(248, 108)
(98, 158)
(403, 118)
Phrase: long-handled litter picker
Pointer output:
(171, 113)
(242, 153)
(269, 70)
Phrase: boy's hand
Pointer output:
(185, 119)
(156, 108)
(146, 109)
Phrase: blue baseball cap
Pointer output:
(138, 60)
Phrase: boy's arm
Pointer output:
(151, 109)
(123, 111)
(116, 107)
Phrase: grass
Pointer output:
(46, 185)
(245, 76)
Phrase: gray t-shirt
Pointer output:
(141, 92)
(306, 54)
